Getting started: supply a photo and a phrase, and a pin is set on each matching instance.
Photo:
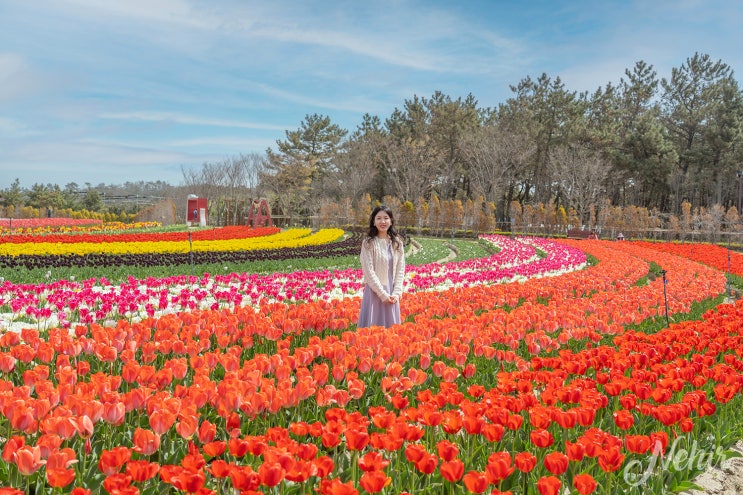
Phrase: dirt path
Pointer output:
(725, 479)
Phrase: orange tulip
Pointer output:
(637, 444)
(59, 477)
(447, 450)
(374, 481)
(113, 413)
(475, 481)
(271, 474)
(141, 470)
(575, 451)
(659, 441)
(584, 483)
(686, 425)
(623, 419)
(117, 483)
(189, 481)
(493, 432)
(541, 438)
(187, 426)
(61, 459)
(28, 459)
(373, 461)
(146, 442)
(337, 487)
(111, 460)
(610, 459)
(243, 477)
(499, 467)
(11, 446)
(207, 432)
(427, 464)
(330, 439)
(324, 464)
(525, 461)
(356, 439)
(540, 417)
(214, 449)
(514, 422)
(161, 420)
(415, 452)
(451, 422)
(7, 362)
(556, 463)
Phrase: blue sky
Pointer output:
(109, 91)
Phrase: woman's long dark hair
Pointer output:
(391, 232)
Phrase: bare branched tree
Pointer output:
(412, 166)
(578, 176)
(356, 170)
(496, 157)
(228, 185)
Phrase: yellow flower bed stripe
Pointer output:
(290, 238)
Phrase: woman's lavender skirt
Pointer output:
(375, 312)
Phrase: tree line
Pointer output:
(646, 141)
(122, 200)
(650, 142)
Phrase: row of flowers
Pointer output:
(67, 302)
(713, 255)
(30, 225)
(121, 235)
(342, 247)
(286, 238)
(531, 387)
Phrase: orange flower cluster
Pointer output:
(517, 387)
(710, 254)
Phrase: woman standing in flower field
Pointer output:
(383, 265)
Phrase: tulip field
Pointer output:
(548, 367)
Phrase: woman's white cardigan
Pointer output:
(374, 266)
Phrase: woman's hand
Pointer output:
(392, 299)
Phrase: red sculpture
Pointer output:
(259, 214)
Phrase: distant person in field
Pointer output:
(383, 265)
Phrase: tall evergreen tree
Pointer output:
(303, 164)
(694, 97)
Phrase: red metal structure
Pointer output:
(259, 214)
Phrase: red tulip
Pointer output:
(548, 485)
(556, 463)
(525, 461)
(452, 470)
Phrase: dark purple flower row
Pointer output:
(347, 247)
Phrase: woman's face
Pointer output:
(382, 222)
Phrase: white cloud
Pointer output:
(11, 129)
(176, 118)
(17, 78)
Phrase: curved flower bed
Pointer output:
(530, 387)
(67, 302)
(287, 238)
(344, 247)
(29, 225)
(713, 255)
(221, 233)
(516, 260)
